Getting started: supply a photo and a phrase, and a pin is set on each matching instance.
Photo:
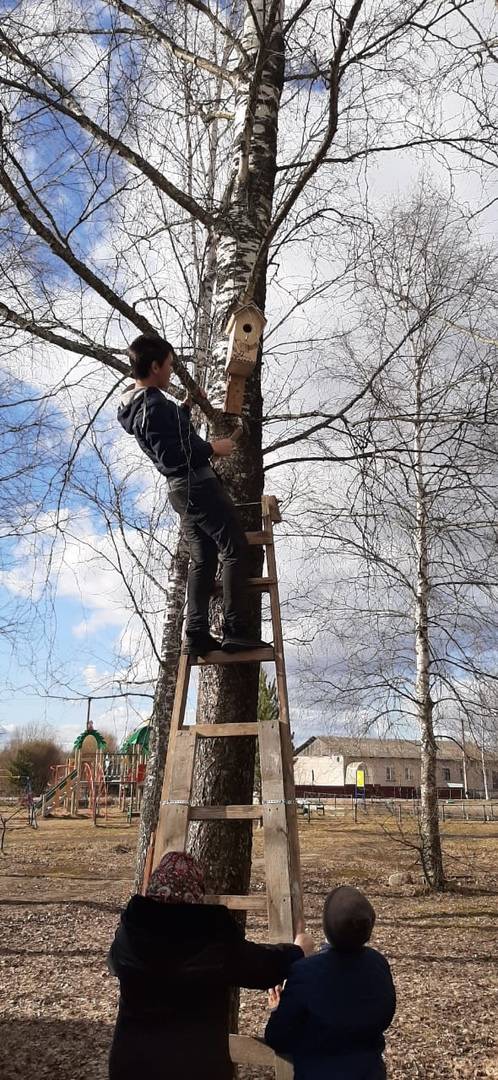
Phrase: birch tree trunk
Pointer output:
(177, 580)
(464, 762)
(225, 768)
(483, 765)
(163, 703)
(432, 860)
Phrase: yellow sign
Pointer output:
(360, 778)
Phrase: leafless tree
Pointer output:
(216, 141)
(413, 617)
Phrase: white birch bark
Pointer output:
(432, 861)
(177, 580)
(483, 765)
(225, 768)
(464, 763)
(163, 703)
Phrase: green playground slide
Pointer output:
(47, 795)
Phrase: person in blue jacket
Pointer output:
(336, 1005)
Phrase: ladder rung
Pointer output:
(261, 538)
(225, 813)
(262, 583)
(254, 902)
(245, 657)
(246, 1050)
(214, 731)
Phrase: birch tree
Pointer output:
(215, 141)
(414, 524)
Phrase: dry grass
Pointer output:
(60, 892)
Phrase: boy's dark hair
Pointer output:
(146, 349)
(348, 918)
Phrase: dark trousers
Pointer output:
(212, 529)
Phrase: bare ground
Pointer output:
(60, 892)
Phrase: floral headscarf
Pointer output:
(177, 880)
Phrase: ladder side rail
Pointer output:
(275, 837)
(173, 826)
(177, 718)
(285, 729)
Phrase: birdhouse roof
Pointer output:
(252, 310)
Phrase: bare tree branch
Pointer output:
(67, 105)
(98, 352)
(153, 31)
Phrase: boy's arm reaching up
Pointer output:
(284, 1026)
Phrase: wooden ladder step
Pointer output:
(225, 813)
(248, 656)
(263, 583)
(246, 1050)
(259, 538)
(217, 731)
(252, 902)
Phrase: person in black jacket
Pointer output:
(164, 432)
(336, 1005)
(176, 959)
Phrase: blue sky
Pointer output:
(81, 664)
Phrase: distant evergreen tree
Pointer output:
(268, 698)
(267, 710)
(30, 761)
(20, 770)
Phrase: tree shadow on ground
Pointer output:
(49, 1049)
(94, 905)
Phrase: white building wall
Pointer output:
(400, 772)
(336, 769)
(328, 771)
(352, 769)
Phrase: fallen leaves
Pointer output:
(61, 888)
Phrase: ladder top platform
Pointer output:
(248, 656)
(261, 538)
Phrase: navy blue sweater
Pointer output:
(334, 1009)
(163, 431)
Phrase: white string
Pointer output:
(264, 802)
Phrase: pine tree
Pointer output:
(267, 710)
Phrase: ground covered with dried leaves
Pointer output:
(62, 885)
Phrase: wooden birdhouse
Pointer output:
(245, 327)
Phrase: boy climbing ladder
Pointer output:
(165, 433)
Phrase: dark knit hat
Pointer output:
(177, 880)
(348, 918)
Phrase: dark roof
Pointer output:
(305, 744)
(357, 748)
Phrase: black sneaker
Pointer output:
(200, 645)
(240, 643)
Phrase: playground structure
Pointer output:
(26, 803)
(93, 777)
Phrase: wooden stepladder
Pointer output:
(277, 812)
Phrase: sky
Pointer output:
(78, 638)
